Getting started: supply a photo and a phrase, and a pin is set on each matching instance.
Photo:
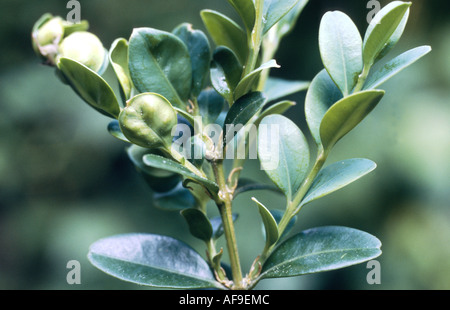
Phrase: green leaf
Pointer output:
(217, 225)
(176, 199)
(345, 114)
(287, 23)
(199, 225)
(340, 46)
(152, 260)
(189, 117)
(200, 54)
(336, 176)
(225, 72)
(245, 185)
(114, 130)
(226, 32)
(395, 37)
(270, 225)
(246, 10)
(248, 82)
(321, 95)
(159, 62)
(118, 56)
(274, 10)
(240, 113)
(210, 105)
(394, 66)
(90, 86)
(156, 161)
(381, 29)
(283, 152)
(158, 180)
(276, 88)
(70, 28)
(147, 121)
(320, 249)
(277, 108)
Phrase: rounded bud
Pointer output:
(147, 121)
(51, 32)
(84, 47)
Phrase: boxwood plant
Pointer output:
(186, 101)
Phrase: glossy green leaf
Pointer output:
(147, 120)
(246, 10)
(189, 117)
(336, 176)
(287, 23)
(340, 46)
(240, 113)
(152, 260)
(156, 161)
(226, 32)
(394, 66)
(283, 152)
(158, 180)
(274, 10)
(345, 114)
(270, 225)
(90, 86)
(225, 72)
(381, 29)
(320, 249)
(217, 225)
(321, 95)
(114, 130)
(247, 83)
(200, 54)
(159, 62)
(277, 108)
(276, 88)
(393, 40)
(199, 225)
(176, 199)
(245, 185)
(210, 105)
(118, 56)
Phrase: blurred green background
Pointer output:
(65, 182)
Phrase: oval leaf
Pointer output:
(321, 95)
(283, 152)
(210, 105)
(320, 249)
(336, 176)
(277, 108)
(176, 199)
(152, 260)
(159, 62)
(200, 54)
(276, 88)
(270, 225)
(340, 46)
(226, 32)
(225, 72)
(246, 10)
(381, 29)
(90, 86)
(199, 225)
(118, 56)
(287, 23)
(170, 165)
(114, 130)
(248, 81)
(345, 114)
(274, 10)
(394, 66)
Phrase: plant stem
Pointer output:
(228, 225)
(362, 79)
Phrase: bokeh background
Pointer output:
(65, 182)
